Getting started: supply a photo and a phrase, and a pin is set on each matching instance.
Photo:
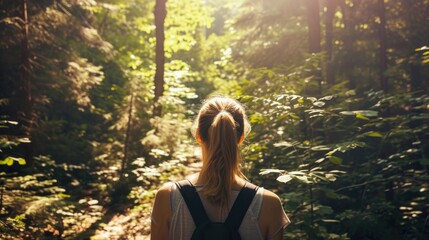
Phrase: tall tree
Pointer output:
(382, 42)
(160, 14)
(27, 103)
(314, 35)
(127, 136)
(313, 19)
(331, 6)
(347, 10)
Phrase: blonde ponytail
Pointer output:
(221, 125)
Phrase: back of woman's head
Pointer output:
(221, 125)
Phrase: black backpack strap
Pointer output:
(241, 204)
(193, 201)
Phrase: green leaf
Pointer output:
(331, 152)
(359, 115)
(9, 161)
(303, 179)
(293, 115)
(21, 161)
(335, 159)
(374, 134)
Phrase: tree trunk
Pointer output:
(27, 108)
(313, 20)
(160, 14)
(331, 6)
(314, 35)
(127, 137)
(382, 41)
(348, 62)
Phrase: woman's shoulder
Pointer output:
(272, 218)
(271, 206)
(163, 193)
(270, 197)
(165, 188)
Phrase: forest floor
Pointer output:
(88, 211)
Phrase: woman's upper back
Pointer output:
(264, 220)
(182, 225)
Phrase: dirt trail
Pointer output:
(134, 224)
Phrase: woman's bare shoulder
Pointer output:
(270, 197)
(165, 189)
(271, 216)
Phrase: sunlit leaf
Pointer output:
(24, 140)
(92, 202)
(321, 148)
(9, 161)
(21, 161)
(326, 98)
(374, 134)
(303, 179)
(361, 116)
(330, 221)
(293, 115)
(284, 178)
(9, 122)
(297, 173)
(312, 99)
(422, 48)
(267, 171)
(335, 159)
(330, 177)
(283, 144)
(319, 104)
(368, 113)
(348, 113)
(319, 176)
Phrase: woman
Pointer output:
(221, 127)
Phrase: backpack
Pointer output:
(208, 230)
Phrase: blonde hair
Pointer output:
(221, 125)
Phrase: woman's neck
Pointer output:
(196, 180)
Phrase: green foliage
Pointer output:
(8, 144)
(9, 161)
(356, 171)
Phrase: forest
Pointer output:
(98, 97)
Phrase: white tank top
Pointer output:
(182, 226)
